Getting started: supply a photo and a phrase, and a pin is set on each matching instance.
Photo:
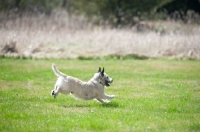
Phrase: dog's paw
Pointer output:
(53, 93)
(112, 96)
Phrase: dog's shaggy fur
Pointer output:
(93, 89)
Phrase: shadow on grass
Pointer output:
(76, 105)
(195, 127)
(106, 105)
(110, 105)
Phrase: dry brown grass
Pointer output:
(66, 36)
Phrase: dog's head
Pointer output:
(103, 78)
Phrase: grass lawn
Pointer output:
(151, 95)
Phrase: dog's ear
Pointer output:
(99, 69)
(102, 72)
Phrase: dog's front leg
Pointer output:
(108, 97)
(100, 100)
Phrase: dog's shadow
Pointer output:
(77, 105)
(106, 105)
(110, 105)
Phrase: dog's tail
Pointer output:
(57, 72)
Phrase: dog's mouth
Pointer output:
(107, 83)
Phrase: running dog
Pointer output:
(93, 89)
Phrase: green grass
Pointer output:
(151, 95)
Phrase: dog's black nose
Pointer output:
(111, 80)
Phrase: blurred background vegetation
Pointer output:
(63, 28)
(115, 12)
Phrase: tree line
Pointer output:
(115, 11)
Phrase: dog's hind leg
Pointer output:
(55, 91)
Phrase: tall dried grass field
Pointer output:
(61, 35)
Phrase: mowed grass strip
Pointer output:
(151, 95)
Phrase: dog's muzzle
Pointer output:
(108, 81)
